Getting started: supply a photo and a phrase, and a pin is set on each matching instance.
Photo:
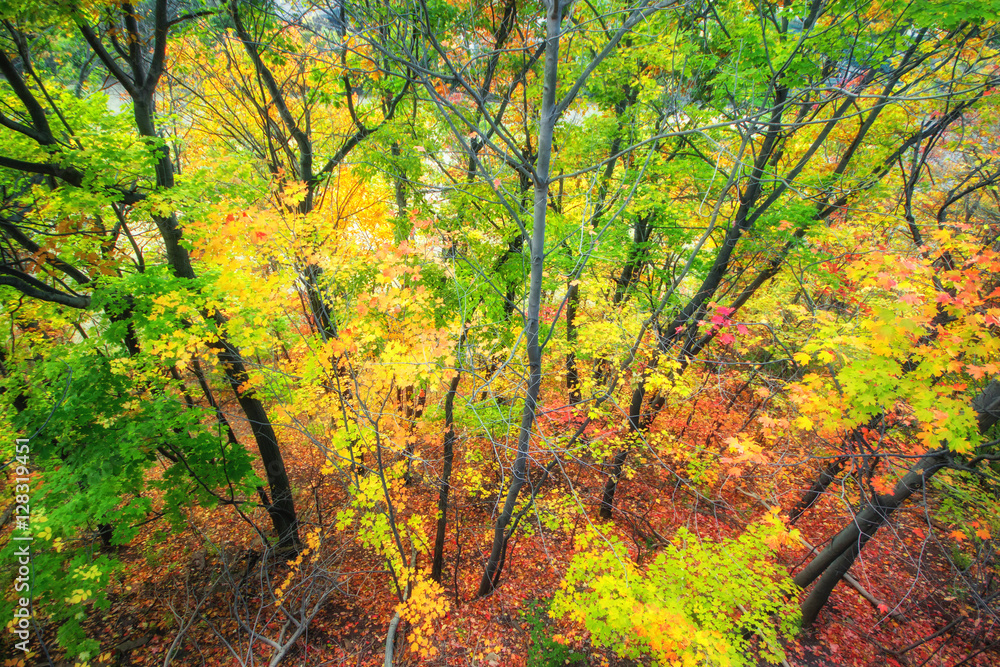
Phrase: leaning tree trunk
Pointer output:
(818, 488)
(141, 86)
(834, 561)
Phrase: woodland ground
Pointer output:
(169, 573)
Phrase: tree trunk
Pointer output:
(531, 315)
(818, 488)
(637, 255)
(282, 510)
(445, 487)
(572, 374)
(637, 421)
(611, 484)
(600, 208)
(142, 90)
(834, 561)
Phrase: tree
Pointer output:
(87, 191)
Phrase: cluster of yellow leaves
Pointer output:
(79, 595)
(692, 605)
(777, 533)
(85, 574)
(673, 639)
(665, 379)
(895, 355)
(308, 554)
(426, 606)
(180, 346)
(46, 533)
(742, 450)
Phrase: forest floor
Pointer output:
(174, 602)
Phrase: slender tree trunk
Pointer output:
(572, 334)
(637, 422)
(537, 245)
(403, 226)
(282, 509)
(742, 222)
(445, 486)
(573, 293)
(611, 484)
(141, 87)
(637, 255)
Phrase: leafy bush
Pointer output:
(697, 603)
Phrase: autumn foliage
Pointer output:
(511, 332)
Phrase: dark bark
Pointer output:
(572, 335)
(743, 220)
(611, 484)
(818, 488)
(833, 562)
(741, 223)
(445, 484)
(311, 275)
(20, 401)
(831, 205)
(29, 286)
(403, 225)
(282, 508)
(750, 210)
(638, 421)
(16, 234)
(637, 255)
(106, 532)
(600, 205)
(322, 316)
